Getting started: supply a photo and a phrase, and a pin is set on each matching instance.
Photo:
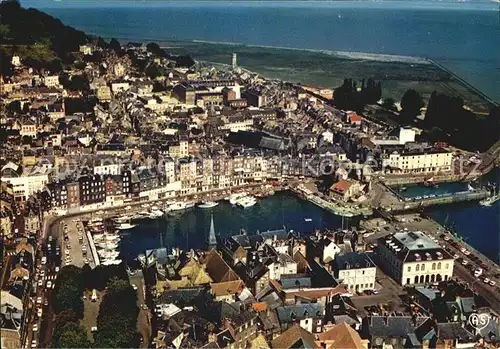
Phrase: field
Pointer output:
(328, 69)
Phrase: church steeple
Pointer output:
(212, 240)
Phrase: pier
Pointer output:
(409, 204)
(346, 210)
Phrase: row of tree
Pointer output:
(117, 317)
(351, 96)
(67, 303)
(447, 119)
(117, 313)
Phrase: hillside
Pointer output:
(35, 36)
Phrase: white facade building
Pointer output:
(355, 270)
(414, 258)
(420, 161)
(120, 86)
(282, 266)
(108, 169)
(51, 80)
(24, 186)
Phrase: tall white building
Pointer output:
(413, 258)
(235, 61)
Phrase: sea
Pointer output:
(462, 36)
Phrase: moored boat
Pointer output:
(125, 226)
(247, 201)
(233, 198)
(490, 200)
(208, 204)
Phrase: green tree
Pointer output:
(72, 336)
(117, 316)
(411, 104)
(153, 71)
(115, 46)
(67, 294)
(62, 319)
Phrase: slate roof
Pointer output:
(453, 330)
(295, 280)
(290, 313)
(393, 326)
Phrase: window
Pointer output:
(446, 266)
(423, 267)
(433, 266)
(417, 268)
(409, 269)
(439, 265)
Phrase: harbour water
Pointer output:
(191, 226)
(478, 225)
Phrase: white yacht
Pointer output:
(98, 236)
(108, 245)
(125, 226)
(208, 204)
(107, 254)
(121, 219)
(111, 261)
(179, 205)
(233, 199)
(247, 201)
(156, 214)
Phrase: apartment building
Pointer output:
(414, 258)
(429, 160)
(355, 270)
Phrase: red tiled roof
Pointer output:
(341, 186)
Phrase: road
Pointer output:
(144, 317)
